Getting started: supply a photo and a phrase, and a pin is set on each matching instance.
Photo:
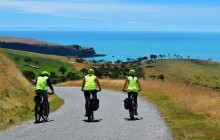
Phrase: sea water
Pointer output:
(123, 45)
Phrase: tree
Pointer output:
(30, 75)
(118, 61)
(115, 72)
(72, 76)
(139, 72)
(63, 70)
(84, 71)
(17, 59)
(145, 58)
(161, 77)
(36, 63)
(53, 75)
(28, 60)
(149, 62)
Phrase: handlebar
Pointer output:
(127, 90)
(95, 90)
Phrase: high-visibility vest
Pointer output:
(132, 84)
(90, 82)
(41, 83)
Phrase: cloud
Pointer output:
(115, 14)
(97, 10)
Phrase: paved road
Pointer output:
(112, 123)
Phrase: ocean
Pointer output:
(123, 45)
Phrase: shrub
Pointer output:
(30, 75)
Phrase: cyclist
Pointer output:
(41, 84)
(132, 82)
(90, 82)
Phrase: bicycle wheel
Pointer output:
(46, 110)
(90, 111)
(37, 112)
(132, 109)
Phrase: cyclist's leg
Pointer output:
(135, 95)
(94, 94)
(87, 97)
(38, 93)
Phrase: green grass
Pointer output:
(46, 62)
(200, 72)
(182, 123)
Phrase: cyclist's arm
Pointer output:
(126, 82)
(139, 85)
(36, 82)
(50, 85)
(83, 84)
(97, 82)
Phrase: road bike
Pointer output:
(92, 105)
(41, 108)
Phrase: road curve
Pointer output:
(111, 121)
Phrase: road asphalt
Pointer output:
(111, 121)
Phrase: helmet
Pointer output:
(90, 71)
(45, 73)
(132, 72)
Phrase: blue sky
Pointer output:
(111, 15)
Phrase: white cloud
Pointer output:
(106, 14)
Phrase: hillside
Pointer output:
(16, 94)
(189, 71)
(45, 62)
(31, 45)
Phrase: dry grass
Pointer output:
(202, 100)
(16, 93)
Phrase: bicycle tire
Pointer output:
(89, 111)
(37, 112)
(132, 109)
(44, 113)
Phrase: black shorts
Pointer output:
(43, 93)
(87, 93)
(134, 94)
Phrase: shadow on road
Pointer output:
(92, 121)
(134, 119)
(43, 122)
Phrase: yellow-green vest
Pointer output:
(90, 82)
(41, 83)
(132, 84)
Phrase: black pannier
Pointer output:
(127, 103)
(95, 104)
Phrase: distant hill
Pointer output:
(31, 45)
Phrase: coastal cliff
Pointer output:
(31, 45)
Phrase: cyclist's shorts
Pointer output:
(87, 93)
(135, 94)
(43, 92)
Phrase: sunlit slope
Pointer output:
(192, 71)
(16, 93)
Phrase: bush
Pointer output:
(161, 77)
(79, 60)
(30, 75)
(72, 76)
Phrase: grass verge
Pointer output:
(28, 114)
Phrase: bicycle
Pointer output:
(131, 106)
(40, 108)
(91, 108)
